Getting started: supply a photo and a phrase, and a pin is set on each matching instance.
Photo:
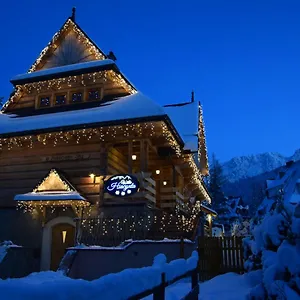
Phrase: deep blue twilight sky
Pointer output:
(242, 58)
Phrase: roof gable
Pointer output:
(69, 45)
(54, 182)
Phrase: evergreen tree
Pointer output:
(216, 181)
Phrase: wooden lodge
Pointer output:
(72, 123)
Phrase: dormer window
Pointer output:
(60, 99)
(94, 95)
(76, 97)
(44, 101)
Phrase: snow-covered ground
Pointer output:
(53, 285)
(229, 286)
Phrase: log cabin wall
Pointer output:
(22, 169)
(117, 162)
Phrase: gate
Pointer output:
(219, 255)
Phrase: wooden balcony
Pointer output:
(170, 197)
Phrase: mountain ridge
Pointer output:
(243, 167)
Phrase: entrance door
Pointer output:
(62, 237)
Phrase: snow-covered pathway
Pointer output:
(229, 286)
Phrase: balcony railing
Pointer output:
(170, 197)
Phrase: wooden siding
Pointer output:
(117, 162)
(22, 170)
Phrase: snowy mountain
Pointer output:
(249, 166)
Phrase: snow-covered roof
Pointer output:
(75, 69)
(208, 210)
(49, 196)
(185, 119)
(124, 108)
(288, 184)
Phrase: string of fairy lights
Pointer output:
(105, 226)
(87, 134)
(69, 25)
(53, 173)
(134, 223)
(102, 133)
(202, 139)
(30, 206)
(45, 185)
(70, 81)
(58, 83)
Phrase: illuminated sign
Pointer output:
(121, 185)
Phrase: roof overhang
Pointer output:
(50, 196)
(164, 118)
(69, 70)
(208, 210)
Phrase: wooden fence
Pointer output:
(219, 255)
(159, 291)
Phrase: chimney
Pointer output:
(289, 163)
(73, 14)
(193, 97)
(111, 56)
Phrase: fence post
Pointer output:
(181, 248)
(159, 294)
(195, 277)
(199, 256)
(77, 231)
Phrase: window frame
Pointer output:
(44, 96)
(60, 94)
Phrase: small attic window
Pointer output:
(60, 99)
(44, 101)
(77, 97)
(94, 95)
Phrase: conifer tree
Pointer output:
(216, 181)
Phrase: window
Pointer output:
(60, 99)
(45, 101)
(94, 95)
(76, 97)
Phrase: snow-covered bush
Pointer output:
(241, 228)
(274, 247)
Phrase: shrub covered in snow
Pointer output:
(241, 228)
(275, 248)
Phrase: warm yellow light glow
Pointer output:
(64, 235)
(209, 218)
(157, 172)
(133, 157)
(164, 183)
(92, 175)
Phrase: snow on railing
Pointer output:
(123, 285)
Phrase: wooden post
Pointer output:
(43, 216)
(210, 224)
(103, 172)
(174, 176)
(195, 285)
(194, 278)
(181, 252)
(101, 192)
(130, 157)
(142, 156)
(159, 294)
(146, 156)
